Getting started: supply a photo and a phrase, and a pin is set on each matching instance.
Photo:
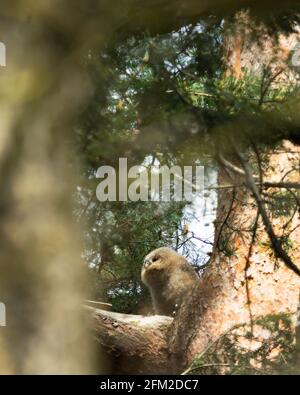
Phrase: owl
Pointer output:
(169, 278)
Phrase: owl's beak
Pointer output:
(147, 262)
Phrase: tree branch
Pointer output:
(139, 342)
(276, 244)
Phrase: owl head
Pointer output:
(159, 260)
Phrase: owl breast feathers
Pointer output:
(169, 278)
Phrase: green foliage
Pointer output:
(122, 237)
(283, 204)
(226, 247)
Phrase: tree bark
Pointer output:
(246, 285)
(136, 343)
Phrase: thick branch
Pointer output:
(139, 342)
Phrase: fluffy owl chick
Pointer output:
(169, 278)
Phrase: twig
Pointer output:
(210, 345)
(206, 365)
(287, 185)
(225, 220)
(266, 184)
(247, 267)
(231, 166)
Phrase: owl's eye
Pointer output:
(155, 259)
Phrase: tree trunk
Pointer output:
(249, 283)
